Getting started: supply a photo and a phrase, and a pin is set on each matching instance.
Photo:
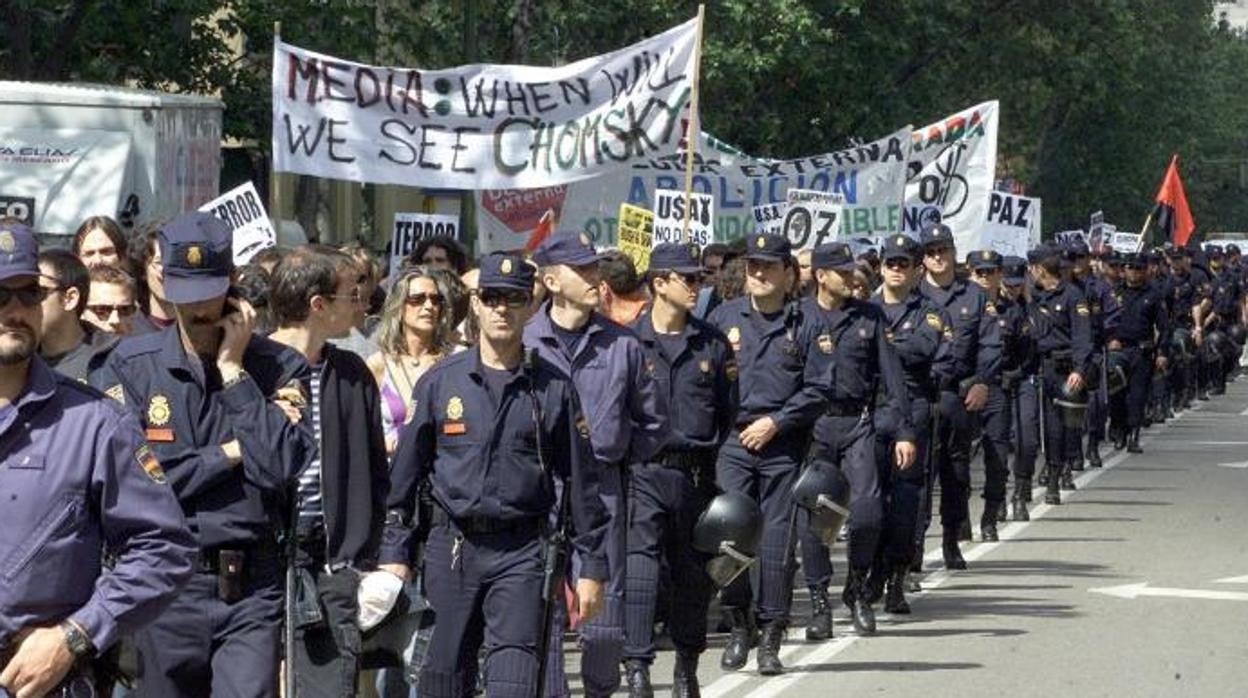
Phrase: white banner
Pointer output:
(411, 228)
(952, 166)
(669, 217)
(1127, 243)
(242, 209)
(1064, 237)
(769, 218)
(481, 126)
(813, 218)
(1012, 226)
(871, 177)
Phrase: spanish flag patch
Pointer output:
(151, 466)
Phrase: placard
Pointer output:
(1012, 226)
(669, 217)
(242, 209)
(411, 228)
(636, 235)
(813, 218)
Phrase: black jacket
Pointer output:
(355, 476)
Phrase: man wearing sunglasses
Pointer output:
(781, 395)
(206, 390)
(627, 425)
(78, 479)
(1141, 324)
(852, 348)
(67, 343)
(696, 375)
(497, 432)
(111, 301)
(977, 346)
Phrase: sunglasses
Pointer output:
(491, 298)
(689, 280)
(937, 251)
(103, 311)
(902, 264)
(982, 273)
(417, 300)
(27, 296)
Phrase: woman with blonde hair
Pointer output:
(413, 333)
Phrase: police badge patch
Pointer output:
(455, 408)
(151, 466)
(158, 411)
(825, 343)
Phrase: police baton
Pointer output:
(553, 573)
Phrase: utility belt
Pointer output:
(215, 559)
(1132, 344)
(484, 526)
(687, 460)
(848, 408)
(1012, 378)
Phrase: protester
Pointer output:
(111, 301)
(440, 253)
(622, 290)
(68, 344)
(155, 312)
(100, 242)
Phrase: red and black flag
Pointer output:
(1172, 215)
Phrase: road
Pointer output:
(1136, 585)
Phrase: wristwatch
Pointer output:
(77, 640)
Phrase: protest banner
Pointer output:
(411, 228)
(670, 218)
(1065, 237)
(812, 218)
(1096, 232)
(871, 177)
(1126, 243)
(1012, 226)
(769, 218)
(951, 170)
(242, 209)
(636, 235)
(481, 126)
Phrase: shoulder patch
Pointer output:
(117, 393)
(990, 309)
(147, 461)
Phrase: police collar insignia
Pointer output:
(7, 243)
(455, 408)
(158, 411)
(704, 365)
(151, 466)
(826, 345)
(734, 335)
(934, 320)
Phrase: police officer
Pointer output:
(780, 399)
(1063, 330)
(77, 480)
(1186, 313)
(627, 422)
(998, 414)
(921, 337)
(977, 346)
(205, 390)
(851, 348)
(1020, 375)
(1140, 341)
(696, 375)
(1103, 311)
(1225, 312)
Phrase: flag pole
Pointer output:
(691, 134)
(275, 185)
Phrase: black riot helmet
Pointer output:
(1115, 372)
(824, 492)
(729, 530)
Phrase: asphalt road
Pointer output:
(1128, 588)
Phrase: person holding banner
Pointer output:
(781, 395)
(977, 346)
(627, 425)
(696, 374)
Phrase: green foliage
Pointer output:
(1095, 95)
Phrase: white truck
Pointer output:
(69, 151)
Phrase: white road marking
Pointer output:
(1232, 580)
(1134, 591)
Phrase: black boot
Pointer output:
(1076, 464)
(1052, 494)
(895, 592)
(952, 554)
(1022, 495)
(1002, 515)
(1120, 439)
(685, 676)
(1133, 443)
(857, 599)
(1042, 477)
(769, 649)
(820, 626)
(1094, 454)
(964, 532)
(637, 673)
(737, 651)
(1067, 481)
(988, 522)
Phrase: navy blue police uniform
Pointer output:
(79, 483)
(921, 336)
(1141, 336)
(776, 380)
(1225, 294)
(493, 445)
(1020, 379)
(696, 375)
(220, 637)
(1103, 313)
(977, 346)
(851, 350)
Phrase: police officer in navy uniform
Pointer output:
(781, 395)
(498, 433)
(1063, 328)
(696, 374)
(78, 481)
(1226, 298)
(1140, 339)
(205, 390)
(1019, 378)
(851, 348)
(1103, 311)
(921, 337)
(1187, 313)
(977, 346)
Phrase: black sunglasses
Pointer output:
(690, 280)
(898, 263)
(986, 272)
(417, 300)
(103, 311)
(512, 299)
(934, 251)
(27, 296)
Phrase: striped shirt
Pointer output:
(310, 506)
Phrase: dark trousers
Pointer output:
(767, 477)
(327, 654)
(1027, 424)
(953, 460)
(666, 503)
(201, 646)
(902, 492)
(995, 420)
(1060, 440)
(847, 443)
(1098, 409)
(1127, 407)
(490, 593)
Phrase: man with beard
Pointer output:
(69, 345)
(206, 391)
(79, 482)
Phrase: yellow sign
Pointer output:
(636, 235)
